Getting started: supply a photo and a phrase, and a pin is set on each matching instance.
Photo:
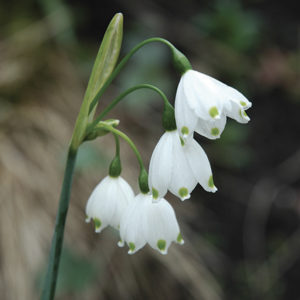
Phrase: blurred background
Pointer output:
(242, 242)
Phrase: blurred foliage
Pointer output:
(227, 22)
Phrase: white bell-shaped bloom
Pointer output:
(147, 222)
(108, 202)
(202, 104)
(178, 166)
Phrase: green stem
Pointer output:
(57, 240)
(127, 139)
(123, 63)
(114, 102)
(143, 177)
(117, 144)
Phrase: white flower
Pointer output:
(108, 201)
(178, 167)
(146, 222)
(202, 104)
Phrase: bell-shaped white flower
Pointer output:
(178, 166)
(108, 201)
(147, 222)
(202, 104)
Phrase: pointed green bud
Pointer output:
(115, 167)
(181, 63)
(143, 181)
(107, 56)
(169, 123)
(104, 65)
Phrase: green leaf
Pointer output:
(104, 65)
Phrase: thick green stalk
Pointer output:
(177, 56)
(57, 240)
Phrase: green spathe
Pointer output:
(104, 65)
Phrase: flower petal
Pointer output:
(211, 129)
(202, 94)
(199, 164)
(183, 180)
(108, 201)
(162, 227)
(237, 112)
(160, 168)
(186, 120)
(123, 195)
(132, 225)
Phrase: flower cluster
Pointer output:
(178, 163)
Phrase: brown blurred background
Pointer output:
(242, 242)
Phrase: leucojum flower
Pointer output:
(145, 221)
(202, 104)
(178, 166)
(108, 202)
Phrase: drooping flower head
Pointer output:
(178, 166)
(108, 201)
(202, 104)
(147, 222)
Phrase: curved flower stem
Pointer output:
(117, 144)
(127, 139)
(123, 63)
(114, 102)
(57, 240)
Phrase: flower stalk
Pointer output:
(57, 240)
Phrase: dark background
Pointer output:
(242, 242)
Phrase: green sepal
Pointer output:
(104, 65)
(168, 120)
(181, 63)
(115, 167)
(98, 130)
(143, 181)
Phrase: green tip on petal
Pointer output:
(154, 193)
(184, 130)
(214, 112)
(215, 131)
(243, 103)
(243, 114)
(211, 182)
(97, 223)
(161, 245)
(131, 247)
(183, 193)
(181, 141)
(179, 239)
